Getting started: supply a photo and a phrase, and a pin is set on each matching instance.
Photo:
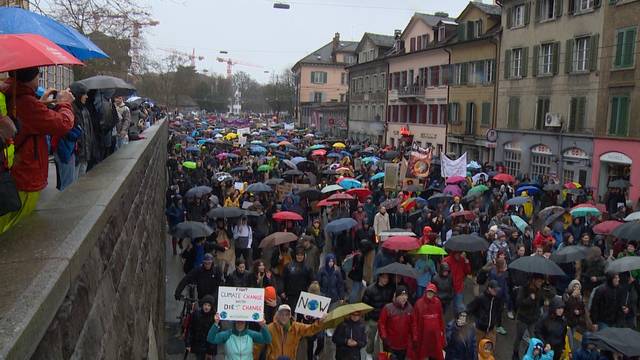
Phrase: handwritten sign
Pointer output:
(241, 304)
(312, 305)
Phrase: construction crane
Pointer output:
(231, 62)
(183, 55)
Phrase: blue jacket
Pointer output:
(460, 345)
(426, 270)
(331, 281)
(238, 345)
(585, 354)
(533, 342)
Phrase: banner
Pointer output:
(419, 164)
(456, 167)
(312, 305)
(391, 175)
(243, 304)
(243, 131)
(288, 126)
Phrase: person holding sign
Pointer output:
(286, 334)
(238, 341)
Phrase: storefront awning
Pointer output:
(616, 157)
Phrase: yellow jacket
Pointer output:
(232, 203)
(287, 344)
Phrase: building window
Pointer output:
(318, 77)
(412, 44)
(343, 78)
(470, 118)
(625, 47)
(568, 176)
(350, 59)
(367, 84)
(454, 113)
(432, 114)
(545, 59)
(343, 97)
(442, 114)
(584, 5)
(619, 122)
(434, 76)
(353, 86)
(489, 70)
(383, 79)
(542, 108)
(442, 33)
(581, 54)
(540, 166)
(477, 28)
(486, 114)
(577, 114)
(425, 40)
(512, 162)
(516, 63)
(546, 10)
(381, 113)
(518, 16)
(317, 97)
(513, 115)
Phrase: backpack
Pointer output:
(102, 109)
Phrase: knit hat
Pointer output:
(208, 257)
(269, 293)
(432, 287)
(207, 299)
(572, 284)
(400, 290)
(26, 75)
(492, 284)
(78, 89)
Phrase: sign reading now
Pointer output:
(241, 304)
(312, 305)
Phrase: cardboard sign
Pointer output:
(288, 126)
(312, 305)
(243, 131)
(238, 185)
(242, 304)
(391, 175)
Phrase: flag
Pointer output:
(419, 163)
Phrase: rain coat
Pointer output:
(427, 328)
(532, 344)
(285, 342)
(238, 345)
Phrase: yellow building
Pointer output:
(472, 87)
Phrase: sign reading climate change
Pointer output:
(312, 305)
(241, 304)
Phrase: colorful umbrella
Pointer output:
(278, 238)
(319, 152)
(339, 145)
(316, 147)
(264, 168)
(360, 193)
(284, 143)
(633, 216)
(468, 215)
(478, 176)
(340, 197)
(377, 176)
(350, 184)
(331, 188)
(339, 314)
(531, 190)
(323, 203)
(403, 243)
(29, 50)
(339, 225)
(584, 211)
(455, 179)
(189, 165)
(478, 189)
(572, 185)
(452, 190)
(606, 227)
(519, 223)
(429, 250)
(506, 178)
(287, 216)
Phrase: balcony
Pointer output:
(411, 92)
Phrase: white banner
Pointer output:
(242, 304)
(243, 131)
(456, 167)
(288, 126)
(312, 305)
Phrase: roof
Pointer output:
(432, 20)
(447, 22)
(381, 40)
(323, 55)
(487, 8)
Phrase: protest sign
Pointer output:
(391, 175)
(456, 167)
(241, 304)
(312, 305)
(419, 164)
(289, 126)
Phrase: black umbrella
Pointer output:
(570, 254)
(466, 242)
(226, 213)
(306, 165)
(192, 230)
(390, 155)
(628, 231)
(620, 183)
(397, 268)
(293, 173)
(544, 213)
(517, 201)
(472, 196)
(339, 225)
(311, 194)
(390, 204)
(537, 265)
(624, 264)
(274, 181)
(553, 217)
(258, 188)
(623, 340)
(290, 164)
(239, 169)
(552, 187)
(106, 82)
(198, 191)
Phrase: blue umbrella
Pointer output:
(281, 138)
(350, 184)
(519, 223)
(339, 225)
(377, 176)
(372, 159)
(273, 145)
(345, 153)
(201, 141)
(531, 190)
(257, 149)
(334, 155)
(192, 149)
(210, 141)
(189, 139)
(18, 21)
(298, 159)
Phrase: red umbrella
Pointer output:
(504, 178)
(319, 152)
(455, 179)
(361, 194)
(286, 215)
(469, 215)
(606, 227)
(326, 202)
(405, 243)
(340, 197)
(19, 51)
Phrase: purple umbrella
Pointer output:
(453, 190)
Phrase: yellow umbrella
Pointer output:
(231, 136)
(339, 145)
(337, 315)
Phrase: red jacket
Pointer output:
(427, 329)
(394, 325)
(31, 165)
(546, 242)
(459, 269)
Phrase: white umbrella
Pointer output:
(633, 216)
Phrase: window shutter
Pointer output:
(462, 32)
(324, 77)
(412, 47)
(509, 17)
(538, 10)
(593, 52)
(623, 117)
(559, 5)
(525, 61)
(572, 4)
(629, 44)
(613, 123)
(536, 54)
(568, 56)
(480, 27)
(556, 57)
(619, 45)
(581, 113)
(573, 114)
(486, 113)
(470, 30)
(464, 69)
(596, 4)
(527, 13)
(507, 64)
(312, 79)
(450, 106)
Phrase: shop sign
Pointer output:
(492, 135)
(616, 157)
(542, 149)
(428, 136)
(512, 146)
(576, 153)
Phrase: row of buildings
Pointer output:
(544, 87)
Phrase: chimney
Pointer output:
(335, 46)
(397, 33)
(441, 14)
(397, 45)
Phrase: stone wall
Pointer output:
(109, 295)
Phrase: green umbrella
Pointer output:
(178, 146)
(189, 165)
(478, 189)
(519, 223)
(264, 168)
(338, 315)
(316, 147)
(429, 250)
(584, 211)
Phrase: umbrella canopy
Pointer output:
(634, 216)
(325, 202)
(506, 178)
(225, 213)
(239, 169)
(478, 189)
(552, 187)
(319, 152)
(584, 211)
(311, 194)
(553, 217)
(519, 223)
(572, 185)
(361, 194)
(469, 215)
(479, 176)
(531, 190)
(257, 149)
(274, 181)
(429, 250)
(623, 264)
(453, 190)
(340, 197)
(290, 164)
(397, 268)
(28, 50)
(537, 265)
(264, 168)
(298, 159)
(198, 191)
(620, 183)
(440, 196)
(621, 340)
(350, 184)
(466, 242)
(339, 225)
(331, 188)
(391, 203)
(606, 227)
(106, 82)
(518, 200)
(192, 230)
(544, 213)
(378, 176)
(390, 155)
(259, 188)
(278, 238)
(455, 179)
(293, 173)
(570, 254)
(14, 20)
(339, 314)
(189, 165)
(287, 216)
(404, 243)
(339, 145)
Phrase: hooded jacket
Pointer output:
(331, 281)
(533, 342)
(459, 270)
(349, 329)
(296, 278)
(584, 353)
(394, 325)
(199, 328)
(606, 305)
(238, 345)
(529, 309)
(284, 342)
(552, 328)
(485, 354)
(461, 342)
(377, 297)
(427, 328)
(444, 284)
(486, 309)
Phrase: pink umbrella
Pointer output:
(455, 179)
(452, 190)
(606, 227)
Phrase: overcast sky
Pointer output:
(252, 31)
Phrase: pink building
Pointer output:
(615, 159)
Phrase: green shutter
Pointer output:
(464, 69)
(629, 47)
(573, 111)
(555, 57)
(613, 123)
(536, 55)
(568, 56)
(593, 52)
(525, 61)
(527, 13)
(509, 17)
(486, 113)
(619, 48)
(450, 111)
(462, 32)
(313, 72)
(581, 113)
(559, 5)
(538, 10)
(507, 64)
(572, 4)
(623, 116)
